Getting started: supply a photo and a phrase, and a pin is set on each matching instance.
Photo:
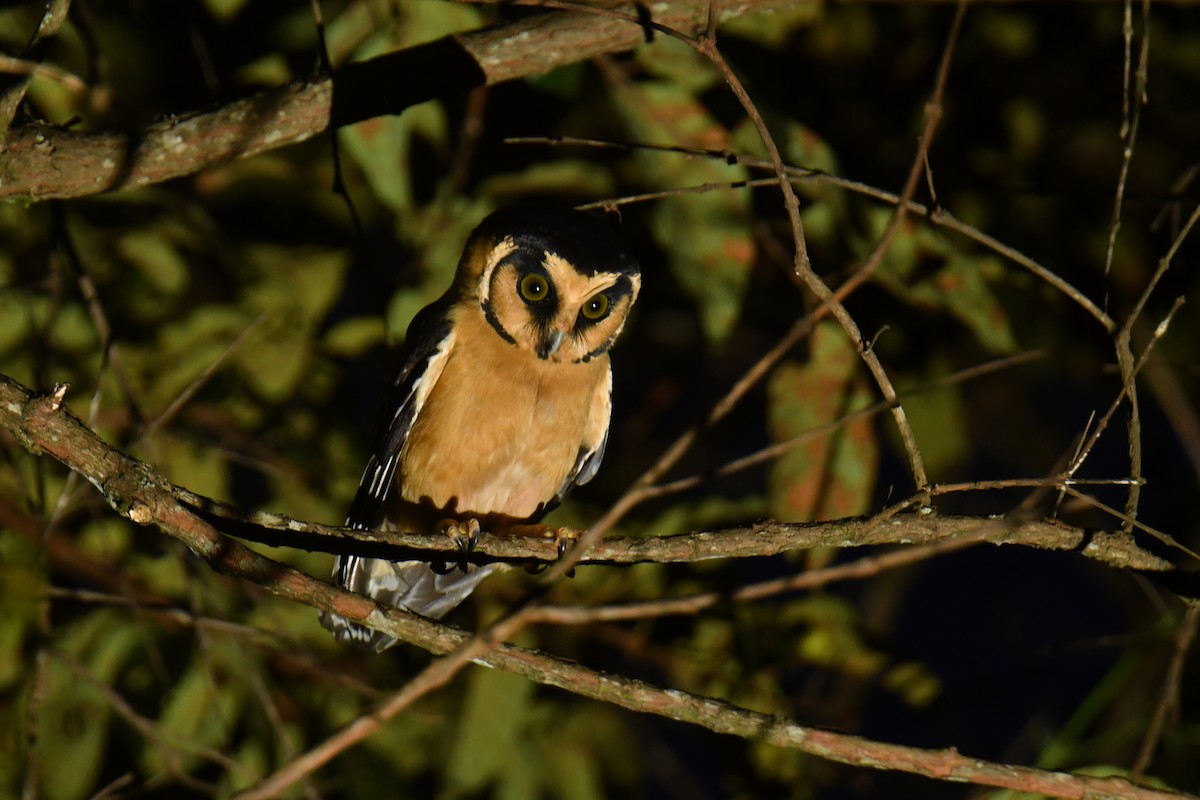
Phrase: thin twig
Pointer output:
(31, 69)
(1121, 340)
(1129, 373)
(1169, 697)
(1164, 264)
(831, 302)
(433, 676)
(271, 708)
(936, 216)
(168, 413)
(866, 567)
(114, 787)
(1134, 523)
(776, 450)
(1131, 115)
(173, 747)
(1027, 483)
(1169, 393)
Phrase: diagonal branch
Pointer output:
(42, 161)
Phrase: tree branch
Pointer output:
(43, 424)
(41, 161)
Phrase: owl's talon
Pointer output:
(563, 538)
(441, 567)
(465, 536)
(472, 537)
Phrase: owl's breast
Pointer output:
(500, 430)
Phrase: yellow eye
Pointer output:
(534, 288)
(596, 307)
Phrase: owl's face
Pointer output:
(551, 281)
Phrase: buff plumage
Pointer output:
(502, 402)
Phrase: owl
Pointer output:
(502, 402)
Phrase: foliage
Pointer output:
(233, 329)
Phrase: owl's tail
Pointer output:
(410, 585)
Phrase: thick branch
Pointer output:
(40, 161)
(43, 424)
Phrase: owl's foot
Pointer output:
(563, 539)
(465, 536)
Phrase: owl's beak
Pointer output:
(551, 343)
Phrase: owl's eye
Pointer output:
(596, 307)
(534, 288)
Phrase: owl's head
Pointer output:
(550, 280)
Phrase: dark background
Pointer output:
(1005, 653)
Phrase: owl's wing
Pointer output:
(407, 584)
(591, 449)
(426, 348)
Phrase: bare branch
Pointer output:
(1168, 701)
(42, 423)
(41, 161)
(798, 174)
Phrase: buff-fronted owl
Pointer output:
(502, 402)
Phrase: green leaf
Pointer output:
(163, 574)
(711, 252)
(224, 10)
(203, 705)
(567, 177)
(961, 288)
(197, 465)
(834, 640)
(823, 208)
(73, 722)
(295, 291)
(184, 350)
(74, 331)
(73, 726)
(383, 147)
(774, 28)
(106, 538)
(832, 475)
(22, 583)
(270, 70)
(939, 422)
(678, 64)
(437, 232)
(14, 320)
(254, 762)
(491, 731)
(707, 238)
(352, 338)
(588, 753)
(564, 82)
(914, 683)
(156, 260)
(923, 269)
